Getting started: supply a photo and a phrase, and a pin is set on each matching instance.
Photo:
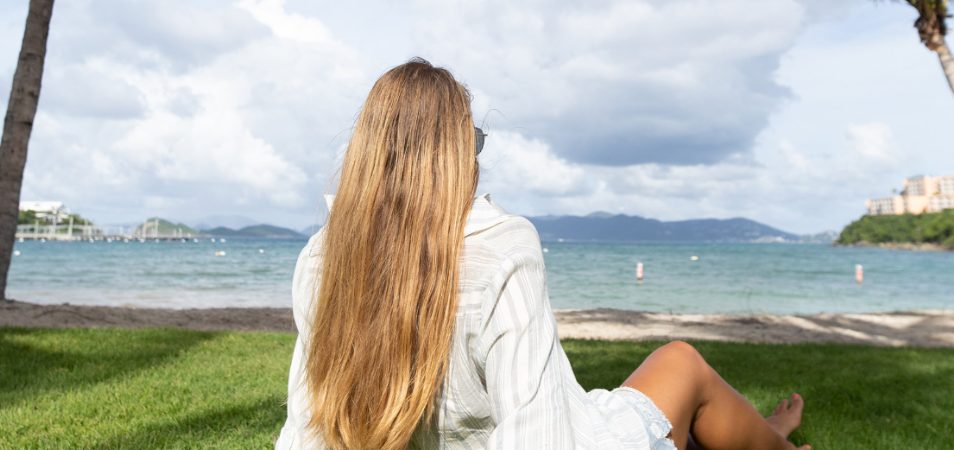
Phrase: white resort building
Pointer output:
(921, 194)
(53, 221)
(53, 210)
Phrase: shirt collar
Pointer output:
(484, 214)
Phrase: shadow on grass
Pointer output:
(250, 425)
(37, 361)
(856, 397)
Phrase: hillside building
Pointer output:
(920, 194)
(54, 211)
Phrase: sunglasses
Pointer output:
(480, 139)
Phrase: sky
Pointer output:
(787, 112)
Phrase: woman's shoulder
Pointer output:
(309, 258)
(304, 279)
(514, 236)
(508, 235)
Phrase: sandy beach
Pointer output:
(912, 328)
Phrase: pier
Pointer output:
(74, 232)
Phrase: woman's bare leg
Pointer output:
(696, 399)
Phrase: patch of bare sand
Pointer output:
(913, 328)
(910, 328)
(22, 314)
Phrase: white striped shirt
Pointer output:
(509, 384)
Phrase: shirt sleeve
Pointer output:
(523, 368)
(295, 434)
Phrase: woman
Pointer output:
(424, 321)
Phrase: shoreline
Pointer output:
(891, 329)
(907, 246)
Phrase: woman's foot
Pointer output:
(787, 415)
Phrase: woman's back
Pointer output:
(509, 383)
(424, 321)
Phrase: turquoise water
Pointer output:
(748, 278)
(729, 278)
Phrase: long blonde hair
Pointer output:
(387, 301)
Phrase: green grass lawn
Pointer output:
(186, 389)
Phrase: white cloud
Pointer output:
(622, 82)
(285, 25)
(513, 164)
(250, 127)
(871, 140)
(790, 112)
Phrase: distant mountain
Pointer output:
(310, 229)
(605, 227)
(165, 228)
(825, 237)
(257, 231)
(225, 221)
(600, 215)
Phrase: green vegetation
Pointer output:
(88, 388)
(166, 228)
(116, 388)
(26, 217)
(29, 218)
(929, 228)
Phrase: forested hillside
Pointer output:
(930, 228)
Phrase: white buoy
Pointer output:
(220, 253)
(639, 271)
(859, 274)
(261, 250)
(16, 253)
(213, 240)
(545, 250)
(693, 258)
(222, 240)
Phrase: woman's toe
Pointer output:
(782, 406)
(797, 402)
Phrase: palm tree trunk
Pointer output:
(947, 63)
(18, 124)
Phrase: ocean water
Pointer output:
(726, 278)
